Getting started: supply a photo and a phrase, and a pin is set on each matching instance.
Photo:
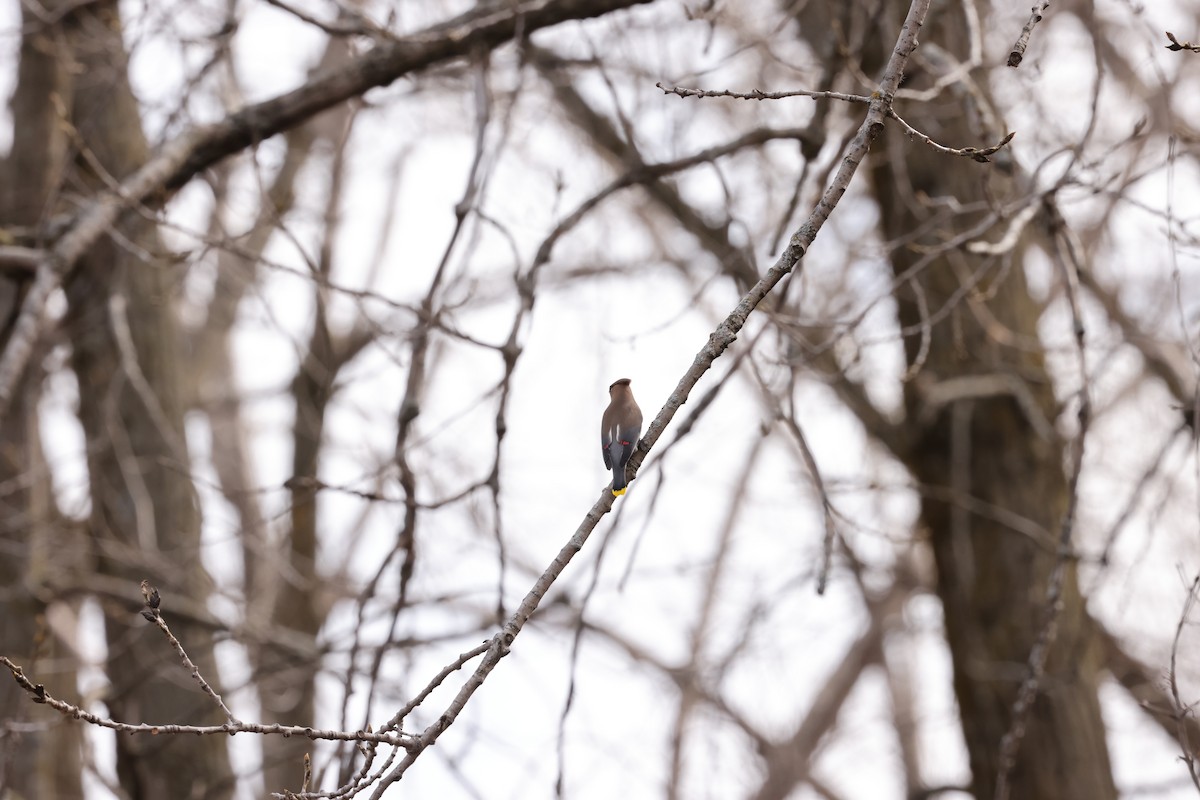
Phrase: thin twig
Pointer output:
(436, 681)
(361, 26)
(756, 94)
(1138, 494)
(38, 694)
(1182, 711)
(152, 613)
(973, 153)
(1018, 49)
(810, 462)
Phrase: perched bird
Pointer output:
(619, 432)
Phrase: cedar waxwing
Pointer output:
(619, 432)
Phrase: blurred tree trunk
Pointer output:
(146, 524)
(994, 447)
(42, 760)
(283, 590)
(39, 756)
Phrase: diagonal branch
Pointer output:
(788, 762)
(719, 340)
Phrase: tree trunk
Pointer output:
(145, 518)
(991, 446)
(39, 759)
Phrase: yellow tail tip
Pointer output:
(618, 492)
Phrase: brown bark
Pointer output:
(39, 757)
(286, 684)
(145, 520)
(992, 448)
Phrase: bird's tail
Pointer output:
(618, 492)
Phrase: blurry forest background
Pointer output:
(308, 309)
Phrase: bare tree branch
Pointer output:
(199, 148)
(719, 341)
(1018, 48)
